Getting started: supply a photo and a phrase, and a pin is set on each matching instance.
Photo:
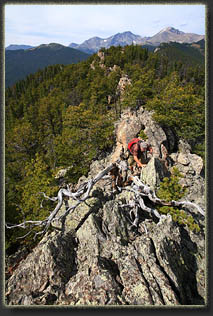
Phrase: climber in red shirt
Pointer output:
(138, 148)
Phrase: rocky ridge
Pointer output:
(101, 259)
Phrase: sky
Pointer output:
(32, 24)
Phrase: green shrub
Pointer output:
(143, 135)
(170, 189)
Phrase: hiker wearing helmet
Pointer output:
(138, 148)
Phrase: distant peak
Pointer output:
(50, 45)
(96, 38)
(172, 30)
(127, 32)
(54, 45)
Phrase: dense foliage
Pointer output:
(190, 53)
(170, 189)
(63, 116)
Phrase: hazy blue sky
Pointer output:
(43, 24)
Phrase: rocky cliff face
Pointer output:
(101, 259)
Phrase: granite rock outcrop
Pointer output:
(101, 260)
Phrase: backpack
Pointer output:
(133, 141)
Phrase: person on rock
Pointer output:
(138, 149)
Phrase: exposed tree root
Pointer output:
(137, 204)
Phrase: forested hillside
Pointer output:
(22, 62)
(63, 116)
(192, 54)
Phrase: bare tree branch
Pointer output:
(80, 196)
(144, 189)
(137, 203)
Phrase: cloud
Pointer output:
(36, 24)
(71, 23)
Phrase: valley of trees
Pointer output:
(63, 116)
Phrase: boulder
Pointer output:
(122, 84)
(196, 163)
(40, 277)
(184, 147)
(108, 264)
(130, 125)
(62, 173)
(154, 172)
(101, 56)
(188, 163)
(183, 159)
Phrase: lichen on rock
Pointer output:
(101, 259)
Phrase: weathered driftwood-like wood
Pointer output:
(152, 196)
(139, 189)
(81, 195)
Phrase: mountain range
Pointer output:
(22, 62)
(166, 35)
(92, 45)
(16, 47)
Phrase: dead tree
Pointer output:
(139, 189)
